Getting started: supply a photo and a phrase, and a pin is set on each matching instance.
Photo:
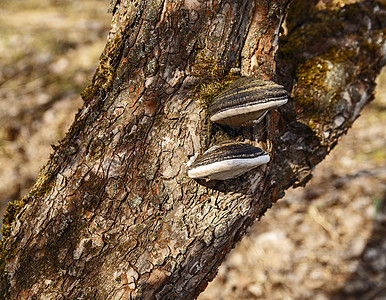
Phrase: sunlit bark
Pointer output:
(113, 214)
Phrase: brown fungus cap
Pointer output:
(246, 102)
(227, 160)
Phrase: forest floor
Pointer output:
(325, 241)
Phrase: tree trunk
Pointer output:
(113, 214)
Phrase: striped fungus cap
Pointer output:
(246, 102)
(227, 160)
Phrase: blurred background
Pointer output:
(325, 241)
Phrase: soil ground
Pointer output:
(325, 241)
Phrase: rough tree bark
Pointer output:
(113, 214)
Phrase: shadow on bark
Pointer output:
(167, 238)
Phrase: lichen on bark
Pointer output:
(121, 219)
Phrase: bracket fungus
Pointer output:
(227, 160)
(246, 102)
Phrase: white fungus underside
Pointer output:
(227, 169)
(232, 112)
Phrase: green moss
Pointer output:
(311, 37)
(320, 79)
(214, 78)
(314, 94)
(10, 216)
(309, 34)
(298, 12)
(42, 187)
(106, 72)
(339, 55)
(310, 75)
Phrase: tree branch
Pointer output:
(114, 215)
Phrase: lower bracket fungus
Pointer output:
(246, 102)
(227, 160)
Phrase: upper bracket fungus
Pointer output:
(227, 160)
(246, 102)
